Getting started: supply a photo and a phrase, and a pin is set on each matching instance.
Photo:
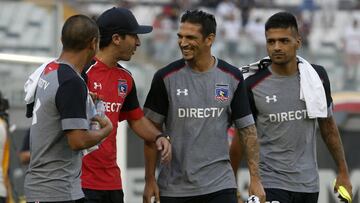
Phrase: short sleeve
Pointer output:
(240, 107)
(71, 103)
(157, 102)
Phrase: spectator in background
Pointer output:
(306, 11)
(351, 47)
(245, 8)
(226, 8)
(230, 32)
(328, 12)
(305, 26)
(5, 189)
(171, 10)
(212, 4)
(255, 30)
(229, 27)
(24, 153)
(162, 38)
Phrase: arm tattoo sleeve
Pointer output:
(331, 137)
(250, 144)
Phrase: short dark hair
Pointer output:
(206, 20)
(282, 20)
(77, 32)
(106, 40)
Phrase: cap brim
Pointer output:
(143, 29)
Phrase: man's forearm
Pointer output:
(150, 154)
(144, 128)
(250, 144)
(331, 137)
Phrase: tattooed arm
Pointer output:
(331, 137)
(250, 145)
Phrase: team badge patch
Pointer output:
(122, 88)
(221, 92)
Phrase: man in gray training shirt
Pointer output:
(61, 118)
(285, 125)
(197, 98)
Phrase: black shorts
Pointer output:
(284, 196)
(101, 196)
(222, 196)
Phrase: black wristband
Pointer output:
(162, 135)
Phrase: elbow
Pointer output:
(77, 146)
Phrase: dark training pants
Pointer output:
(280, 196)
(102, 196)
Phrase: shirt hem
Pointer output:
(191, 192)
(52, 199)
(289, 188)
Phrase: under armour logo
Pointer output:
(273, 99)
(184, 91)
(97, 85)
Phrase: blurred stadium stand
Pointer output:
(32, 27)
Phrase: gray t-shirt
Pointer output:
(61, 103)
(286, 134)
(197, 109)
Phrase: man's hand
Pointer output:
(344, 181)
(151, 189)
(104, 122)
(94, 96)
(164, 146)
(239, 197)
(256, 188)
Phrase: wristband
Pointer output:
(163, 135)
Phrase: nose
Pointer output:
(137, 41)
(277, 45)
(182, 42)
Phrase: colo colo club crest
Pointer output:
(122, 88)
(221, 92)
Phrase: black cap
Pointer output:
(120, 20)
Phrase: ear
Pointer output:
(94, 45)
(210, 39)
(116, 39)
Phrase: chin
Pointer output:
(126, 58)
(188, 58)
(279, 62)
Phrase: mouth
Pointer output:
(278, 54)
(186, 51)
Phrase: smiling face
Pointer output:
(282, 45)
(191, 41)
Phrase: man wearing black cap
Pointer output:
(113, 84)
